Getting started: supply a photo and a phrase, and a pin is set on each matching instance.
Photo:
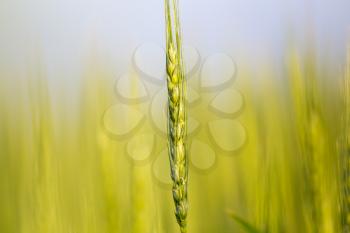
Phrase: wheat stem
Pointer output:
(345, 147)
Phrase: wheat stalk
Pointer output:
(347, 95)
(176, 112)
(345, 147)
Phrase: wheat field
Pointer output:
(266, 154)
(62, 172)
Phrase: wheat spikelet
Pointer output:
(176, 113)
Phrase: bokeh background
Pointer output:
(82, 124)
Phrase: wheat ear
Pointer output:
(176, 113)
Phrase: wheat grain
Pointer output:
(176, 112)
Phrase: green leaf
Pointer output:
(248, 227)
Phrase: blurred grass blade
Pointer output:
(248, 227)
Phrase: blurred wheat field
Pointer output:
(60, 171)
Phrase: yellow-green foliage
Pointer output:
(344, 146)
(61, 173)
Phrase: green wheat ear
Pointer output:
(176, 113)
